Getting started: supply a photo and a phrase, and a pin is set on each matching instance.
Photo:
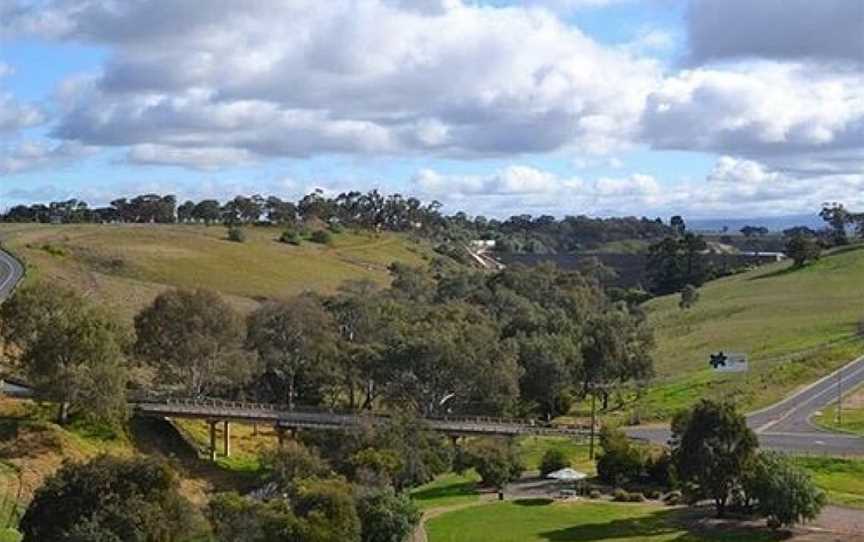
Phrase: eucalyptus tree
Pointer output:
(292, 339)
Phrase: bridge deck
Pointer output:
(322, 419)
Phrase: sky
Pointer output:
(706, 108)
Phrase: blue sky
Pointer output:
(650, 107)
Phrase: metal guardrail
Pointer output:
(282, 415)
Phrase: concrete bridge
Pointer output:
(285, 421)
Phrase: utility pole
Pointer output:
(593, 422)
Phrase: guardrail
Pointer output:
(281, 414)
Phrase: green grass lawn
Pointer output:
(795, 326)
(542, 520)
(454, 489)
(841, 479)
(447, 490)
(125, 266)
(851, 415)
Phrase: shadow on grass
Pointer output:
(533, 502)
(461, 489)
(660, 523)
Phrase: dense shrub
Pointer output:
(620, 461)
(386, 516)
(496, 461)
(784, 493)
(620, 495)
(554, 459)
(236, 234)
(322, 237)
(290, 237)
(595, 494)
(661, 469)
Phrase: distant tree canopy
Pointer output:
(371, 210)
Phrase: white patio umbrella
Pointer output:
(567, 475)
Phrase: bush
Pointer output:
(783, 491)
(322, 237)
(236, 234)
(497, 462)
(635, 497)
(553, 460)
(336, 228)
(661, 470)
(653, 494)
(620, 495)
(620, 461)
(595, 494)
(290, 237)
(386, 516)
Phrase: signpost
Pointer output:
(728, 362)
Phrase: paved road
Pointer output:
(11, 272)
(786, 425)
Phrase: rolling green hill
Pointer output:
(795, 325)
(125, 266)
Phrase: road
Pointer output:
(11, 272)
(787, 425)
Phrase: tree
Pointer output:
(240, 519)
(71, 352)
(620, 461)
(802, 249)
(110, 499)
(675, 262)
(328, 511)
(292, 338)
(837, 218)
(784, 492)
(550, 363)
(689, 297)
(678, 226)
(553, 459)
(194, 338)
(712, 447)
(616, 347)
(292, 462)
(496, 461)
(386, 516)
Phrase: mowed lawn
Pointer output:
(851, 417)
(795, 325)
(125, 266)
(542, 520)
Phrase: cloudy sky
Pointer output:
(710, 108)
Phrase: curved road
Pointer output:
(11, 272)
(786, 425)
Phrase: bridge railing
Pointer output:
(215, 404)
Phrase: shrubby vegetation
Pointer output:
(135, 500)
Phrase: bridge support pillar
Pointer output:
(280, 435)
(226, 434)
(455, 440)
(212, 440)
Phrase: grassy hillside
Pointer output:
(795, 325)
(125, 266)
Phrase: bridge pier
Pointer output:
(280, 435)
(212, 440)
(226, 434)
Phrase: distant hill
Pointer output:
(125, 266)
(776, 223)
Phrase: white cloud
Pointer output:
(197, 158)
(439, 76)
(15, 115)
(31, 155)
(766, 110)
